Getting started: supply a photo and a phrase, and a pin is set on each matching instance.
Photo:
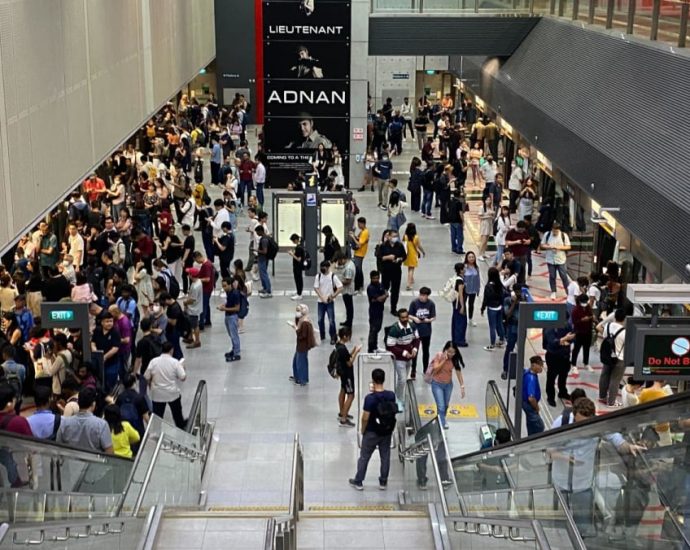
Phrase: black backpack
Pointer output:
(128, 411)
(272, 248)
(244, 306)
(607, 351)
(386, 412)
(565, 416)
(333, 367)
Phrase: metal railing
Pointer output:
(281, 532)
(656, 20)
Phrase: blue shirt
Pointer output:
(472, 282)
(42, 424)
(216, 153)
(530, 386)
(25, 320)
(232, 299)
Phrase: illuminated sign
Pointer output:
(665, 354)
(547, 315)
(62, 315)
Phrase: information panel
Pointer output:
(289, 221)
(333, 214)
(662, 353)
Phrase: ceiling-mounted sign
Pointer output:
(401, 76)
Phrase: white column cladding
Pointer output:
(147, 54)
(358, 87)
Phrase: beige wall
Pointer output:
(76, 78)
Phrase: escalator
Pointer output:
(60, 493)
(616, 481)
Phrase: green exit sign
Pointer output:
(548, 315)
(62, 315)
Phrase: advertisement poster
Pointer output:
(306, 83)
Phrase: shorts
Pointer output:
(193, 321)
(347, 383)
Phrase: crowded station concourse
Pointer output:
(170, 246)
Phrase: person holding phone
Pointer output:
(557, 342)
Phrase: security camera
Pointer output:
(687, 268)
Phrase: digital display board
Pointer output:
(662, 353)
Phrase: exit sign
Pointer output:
(545, 315)
(62, 315)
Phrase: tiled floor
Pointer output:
(257, 410)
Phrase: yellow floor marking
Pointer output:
(456, 410)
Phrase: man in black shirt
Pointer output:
(56, 286)
(392, 254)
(106, 339)
(133, 406)
(377, 296)
(187, 255)
(225, 247)
(175, 321)
(148, 347)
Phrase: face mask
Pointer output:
(324, 270)
(394, 239)
(156, 309)
(298, 314)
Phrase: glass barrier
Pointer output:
(625, 475)
(168, 469)
(197, 423)
(497, 416)
(35, 473)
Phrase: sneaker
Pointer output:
(234, 358)
(347, 423)
(357, 485)
(421, 485)
(361, 189)
(383, 485)
(472, 323)
(333, 341)
(446, 427)
(413, 376)
(446, 482)
(574, 370)
(501, 343)
(616, 404)
(504, 376)
(349, 417)
(228, 354)
(296, 297)
(292, 379)
(482, 258)
(430, 217)
(551, 402)
(266, 295)
(553, 296)
(489, 348)
(589, 368)
(382, 207)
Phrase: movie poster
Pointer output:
(306, 83)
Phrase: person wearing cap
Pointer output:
(531, 395)
(311, 138)
(194, 305)
(24, 317)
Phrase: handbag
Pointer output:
(400, 218)
(428, 375)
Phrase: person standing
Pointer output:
(164, 376)
(298, 255)
(582, 319)
(555, 244)
(486, 221)
(359, 241)
(421, 124)
(148, 347)
(558, 341)
(456, 219)
(492, 302)
(304, 331)
(383, 170)
(378, 423)
(345, 361)
(502, 228)
(392, 254)
(402, 341)
(415, 183)
(327, 287)
(84, 430)
(231, 308)
(531, 395)
(406, 112)
(377, 296)
(259, 178)
(262, 260)
(459, 317)
(518, 241)
(472, 284)
(194, 306)
(423, 313)
(517, 176)
(106, 339)
(612, 328)
(345, 269)
(207, 276)
(442, 366)
(216, 159)
(511, 315)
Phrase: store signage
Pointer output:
(548, 315)
(401, 76)
(62, 315)
(306, 82)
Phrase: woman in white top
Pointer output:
(630, 396)
(337, 161)
(502, 226)
(486, 222)
(144, 286)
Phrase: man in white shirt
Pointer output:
(188, 209)
(259, 178)
(407, 113)
(612, 369)
(515, 185)
(327, 287)
(75, 246)
(222, 215)
(164, 374)
(555, 245)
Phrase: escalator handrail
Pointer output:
(491, 384)
(414, 406)
(199, 395)
(656, 404)
(60, 448)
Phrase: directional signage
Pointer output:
(546, 315)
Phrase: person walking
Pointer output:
(456, 219)
(486, 226)
(555, 244)
(164, 375)
(232, 307)
(382, 174)
(558, 342)
(442, 366)
(262, 260)
(502, 229)
(327, 287)
(378, 423)
(459, 316)
(402, 341)
(472, 284)
(304, 331)
(531, 395)
(392, 254)
(612, 352)
(511, 315)
(492, 303)
(423, 314)
(359, 242)
(413, 246)
(377, 296)
(298, 255)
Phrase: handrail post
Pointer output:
(656, 10)
(147, 477)
(609, 13)
(683, 33)
(630, 28)
(573, 531)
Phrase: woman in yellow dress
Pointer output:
(413, 244)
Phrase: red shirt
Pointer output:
(94, 189)
(206, 270)
(165, 220)
(518, 249)
(145, 246)
(246, 168)
(580, 326)
(18, 424)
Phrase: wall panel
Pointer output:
(74, 79)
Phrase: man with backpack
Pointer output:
(13, 373)
(612, 352)
(133, 406)
(378, 423)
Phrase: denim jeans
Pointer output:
(206, 310)
(500, 248)
(324, 309)
(458, 328)
(562, 272)
(370, 441)
(495, 317)
(231, 325)
(400, 378)
(300, 367)
(260, 193)
(457, 238)
(348, 300)
(511, 340)
(535, 425)
(263, 273)
(427, 201)
(442, 393)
